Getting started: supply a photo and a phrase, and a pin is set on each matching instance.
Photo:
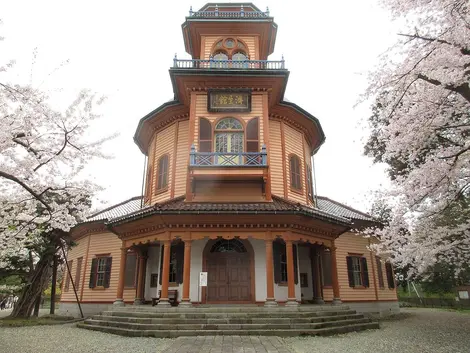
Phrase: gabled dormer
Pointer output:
(229, 29)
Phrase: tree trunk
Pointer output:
(37, 304)
(53, 285)
(37, 284)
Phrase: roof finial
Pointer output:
(267, 11)
(242, 11)
(190, 10)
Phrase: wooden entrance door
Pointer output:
(228, 277)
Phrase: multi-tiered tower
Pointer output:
(229, 189)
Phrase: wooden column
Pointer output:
(290, 274)
(317, 273)
(139, 298)
(270, 301)
(192, 127)
(122, 271)
(334, 275)
(165, 273)
(186, 273)
(374, 276)
(265, 101)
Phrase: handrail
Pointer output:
(227, 159)
(229, 14)
(229, 64)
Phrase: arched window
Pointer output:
(229, 136)
(220, 56)
(227, 245)
(162, 173)
(252, 138)
(295, 172)
(229, 124)
(205, 135)
(229, 52)
(219, 59)
(240, 60)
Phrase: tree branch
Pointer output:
(464, 51)
(26, 187)
(456, 155)
(463, 89)
(66, 140)
(25, 145)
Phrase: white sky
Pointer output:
(123, 49)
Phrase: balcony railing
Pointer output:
(229, 64)
(228, 14)
(228, 159)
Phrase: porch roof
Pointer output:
(328, 210)
(278, 206)
(133, 208)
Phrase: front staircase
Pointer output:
(229, 320)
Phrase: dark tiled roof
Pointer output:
(119, 210)
(278, 206)
(339, 209)
(327, 209)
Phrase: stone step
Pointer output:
(218, 315)
(230, 309)
(227, 320)
(242, 332)
(225, 327)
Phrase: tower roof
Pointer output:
(223, 18)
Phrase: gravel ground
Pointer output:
(422, 331)
(69, 339)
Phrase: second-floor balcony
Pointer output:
(229, 64)
(228, 159)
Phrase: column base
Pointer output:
(119, 302)
(138, 301)
(318, 301)
(336, 301)
(164, 302)
(185, 303)
(292, 302)
(270, 302)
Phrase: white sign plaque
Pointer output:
(463, 294)
(203, 279)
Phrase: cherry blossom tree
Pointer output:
(43, 194)
(421, 129)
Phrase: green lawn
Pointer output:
(34, 321)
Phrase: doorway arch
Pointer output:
(231, 271)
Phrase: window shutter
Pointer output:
(296, 269)
(78, 272)
(350, 271)
(277, 261)
(391, 282)
(161, 264)
(179, 262)
(365, 272)
(94, 263)
(67, 278)
(107, 274)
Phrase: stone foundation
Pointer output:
(375, 309)
(71, 309)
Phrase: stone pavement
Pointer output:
(228, 344)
